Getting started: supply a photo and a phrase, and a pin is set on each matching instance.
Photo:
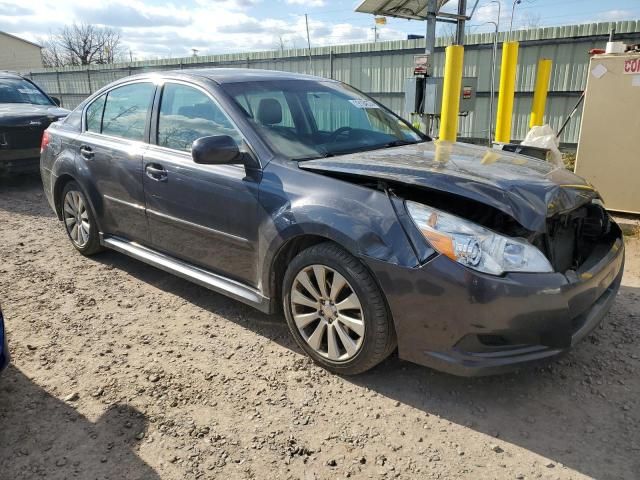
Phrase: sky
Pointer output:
(172, 28)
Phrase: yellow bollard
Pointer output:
(540, 93)
(507, 91)
(452, 84)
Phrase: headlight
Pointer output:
(475, 246)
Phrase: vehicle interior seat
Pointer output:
(269, 112)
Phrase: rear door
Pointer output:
(111, 146)
(205, 214)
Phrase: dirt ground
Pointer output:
(121, 371)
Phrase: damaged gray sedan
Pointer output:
(300, 194)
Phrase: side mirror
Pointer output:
(56, 100)
(216, 150)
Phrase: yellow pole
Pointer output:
(452, 84)
(507, 91)
(540, 93)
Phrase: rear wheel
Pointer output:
(336, 311)
(78, 220)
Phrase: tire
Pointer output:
(314, 315)
(78, 220)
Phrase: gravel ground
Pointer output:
(122, 371)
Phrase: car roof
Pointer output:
(8, 74)
(232, 75)
(224, 75)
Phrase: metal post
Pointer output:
(540, 93)
(513, 12)
(462, 12)
(306, 21)
(89, 80)
(429, 49)
(494, 61)
(59, 87)
(452, 84)
(492, 88)
(430, 38)
(508, 72)
(331, 63)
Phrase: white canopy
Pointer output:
(410, 9)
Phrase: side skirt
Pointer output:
(205, 278)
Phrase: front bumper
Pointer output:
(4, 347)
(460, 321)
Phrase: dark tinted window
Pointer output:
(187, 114)
(94, 114)
(17, 90)
(126, 110)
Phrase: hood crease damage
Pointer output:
(527, 189)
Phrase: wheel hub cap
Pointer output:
(327, 312)
(76, 218)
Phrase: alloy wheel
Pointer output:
(76, 218)
(327, 312)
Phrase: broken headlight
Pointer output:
(475, 246)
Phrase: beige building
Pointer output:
(18, 54)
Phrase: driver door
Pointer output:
(204, 214)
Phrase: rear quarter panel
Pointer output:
(59, 162)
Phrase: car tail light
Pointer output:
(45, 141)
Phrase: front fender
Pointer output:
(297, 203)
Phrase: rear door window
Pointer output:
(126, 111)
(187, 114)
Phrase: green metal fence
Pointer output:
(379, 69)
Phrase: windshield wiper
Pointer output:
(397, 143)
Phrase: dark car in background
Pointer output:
(25, 112)
(300, 193)
(4, 347)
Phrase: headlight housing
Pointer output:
(475, 246)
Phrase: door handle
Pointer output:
(156, 172)
(86, 152)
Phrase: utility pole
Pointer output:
(306, 21)
(430, 38)
(375, 33)
(513, 12)
(462, 13)
(429, 49)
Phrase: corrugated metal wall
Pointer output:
(379, 69)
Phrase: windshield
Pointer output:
(306, 119)
(17, 90)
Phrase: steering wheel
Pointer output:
(341, 131)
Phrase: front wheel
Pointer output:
(335, 310)
(79, 221)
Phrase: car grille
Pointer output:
(572, 236)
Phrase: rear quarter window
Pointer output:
(93, 119)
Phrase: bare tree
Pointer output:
(448, 31)
(83, 44)
(531, 20)
(52, 55)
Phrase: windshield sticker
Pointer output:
(28, 91)
(363, 104)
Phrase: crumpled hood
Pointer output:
(22, 114)
(528, 189)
